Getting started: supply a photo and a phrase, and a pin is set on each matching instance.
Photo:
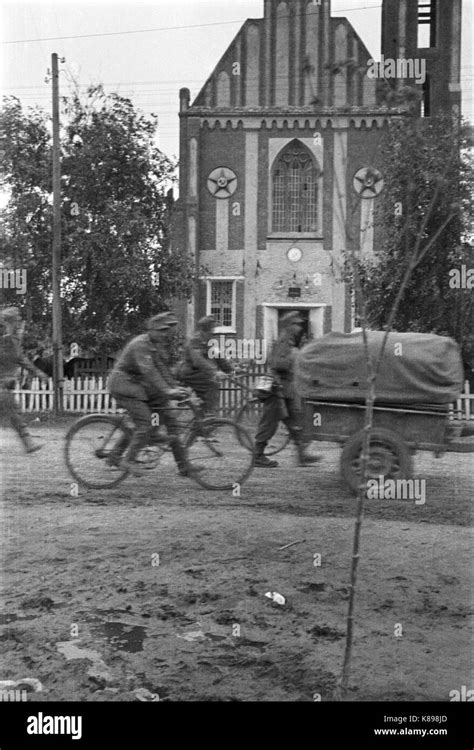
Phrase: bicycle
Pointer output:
(219, 451)
(249, 415)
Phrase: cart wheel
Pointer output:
(389, 457)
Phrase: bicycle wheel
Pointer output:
(222, 451)
(93, 450)
(249, 418)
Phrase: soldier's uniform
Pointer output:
(12, 359)
(141, 373)
(284, 405)
(141, 383)
(198, 371)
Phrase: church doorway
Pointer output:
(313, 319)
(305, 332)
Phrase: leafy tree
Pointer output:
(118, 266)
(25, 235)
(427, 167)
(427, 198)
(406, 286)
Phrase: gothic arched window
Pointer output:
(295, 191)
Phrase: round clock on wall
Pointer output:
(294, 254)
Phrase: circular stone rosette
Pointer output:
(368, 182)
(222, 182)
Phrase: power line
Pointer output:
(159, 28)
(116, 33)
(468, 76)
(115, 83)
(130, 86)
(154, 99)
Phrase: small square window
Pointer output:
(221, 302)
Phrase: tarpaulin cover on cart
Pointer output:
(417, 368)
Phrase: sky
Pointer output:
(151, 66)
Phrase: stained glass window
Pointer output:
(295, 191)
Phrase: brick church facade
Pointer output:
(277, 145)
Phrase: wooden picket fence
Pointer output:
(463, 408)
(80, 396)
(85, 395)
(90, 395)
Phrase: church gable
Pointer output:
(235, 81)
(296, 56)
(272, 152)
(349, 62)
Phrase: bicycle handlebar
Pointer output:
(235, 379)
(191, 399)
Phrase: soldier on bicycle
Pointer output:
(141, 382)
(201, 372)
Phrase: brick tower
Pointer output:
(428, 30)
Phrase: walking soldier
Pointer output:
(12, 359)
(283, 404)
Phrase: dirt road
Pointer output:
(158, 587)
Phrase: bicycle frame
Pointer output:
(277, 444)
(250, 399)
(198, 416)
(106, 437)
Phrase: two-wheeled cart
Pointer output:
(331, 378)
(398, 433)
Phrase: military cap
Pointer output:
(162, 321)
(207, 322)
(291, 318)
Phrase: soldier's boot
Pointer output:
(27, 440)
(116, 454)
(179, 456)
(304, 457)
(158, 436)
(129, 462)
(179, 453)
(261, 459)
(185, 469)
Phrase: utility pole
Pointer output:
(57, 326)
